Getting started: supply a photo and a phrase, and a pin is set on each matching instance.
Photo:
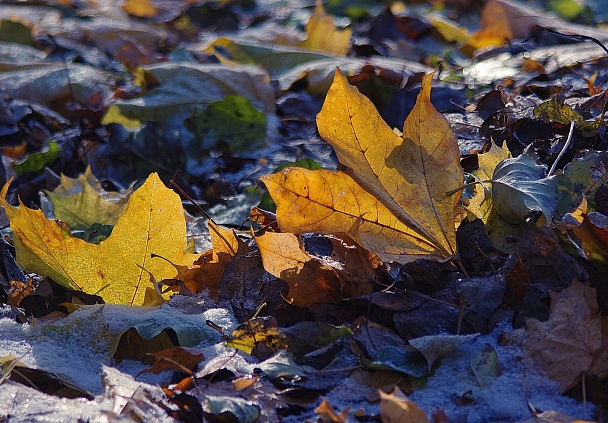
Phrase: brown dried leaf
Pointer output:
(398, 408)
(180, 359)
(574, 341)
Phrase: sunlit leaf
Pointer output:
(480, 206)
(309, 280)
(140, 8)
(559, 112)
(398, 207)
(153, 222)
(206, 272)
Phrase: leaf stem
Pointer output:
(564, 148)
(465, 186)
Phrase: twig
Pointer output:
(574, 36)
(565, 147)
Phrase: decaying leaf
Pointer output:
(557, 111)
(207, 270)
(310, 281)
(180, 359)
(485, 365)
(395, 204)
(433, 347)
(153, 223)
(396, 407)
(255, 332)
(574, 341)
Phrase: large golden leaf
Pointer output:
(153, 223)
(324, 201)
(398, 207)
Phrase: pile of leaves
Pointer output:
(361, 189)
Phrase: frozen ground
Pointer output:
(77, 348)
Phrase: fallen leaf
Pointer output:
(310, 281)
(153, 223)
(480, 205)
(258, 331)
(82, 202)
(409, 174)
(175, 96)
(323, 34)
(398, 207)
(241, 410)
(557, 111)
(179, 359)
(485, 365)
(35, 162)
(48, 383)
(590, 237)
(140, 8)
(396, 407)
(574, 341)
(327, 413)
(208, 269)
(133, 346)
(520, 188)
(18, 291)
(434, 347)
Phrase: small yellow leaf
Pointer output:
(323, 34)
(153, 223)
(140, 8)
(480, 206)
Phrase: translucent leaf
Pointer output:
(393, 201)
(153, 222)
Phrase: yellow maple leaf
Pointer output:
(323, 34)
(153, 223)
(395, 204)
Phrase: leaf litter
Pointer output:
(400, 288)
